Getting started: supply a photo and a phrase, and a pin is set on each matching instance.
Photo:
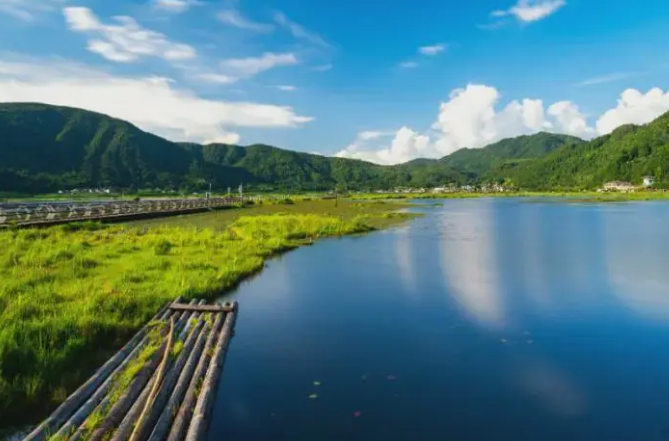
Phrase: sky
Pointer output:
(381, 81)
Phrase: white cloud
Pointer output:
(246, 67)
(432, 50)
(175, 6)
(322, 68)
(406, 145)
(125, 41)
(286, 88)
(570, 120)
(531, 10)
(469, 118)
(234, 18)
(373, 134)
(214, 78)
(299, 32)
(634, 107)
(408, 64)
(27, 10)
(607, 78)
(153, 104)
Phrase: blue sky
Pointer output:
(382, 81)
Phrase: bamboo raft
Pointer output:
(171, 393)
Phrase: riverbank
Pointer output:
(71, 295)
(586, 195)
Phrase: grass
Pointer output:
(71, 295)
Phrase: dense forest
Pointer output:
(49, 148)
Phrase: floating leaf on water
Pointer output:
(504, 340)
(317, 383)
(313, 396)
(356, 414)
(530, 341)
(364, 378)
(391, 377)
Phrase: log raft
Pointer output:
(160, 386)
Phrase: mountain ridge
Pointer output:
(46, 148)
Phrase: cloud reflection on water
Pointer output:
(469, 263)
(634, 240)
(405, 259)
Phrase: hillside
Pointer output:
(627, 154)
(479, 162)
(47, 148)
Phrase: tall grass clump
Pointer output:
(72, 295)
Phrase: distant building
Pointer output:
(648, 181)
(618, 186)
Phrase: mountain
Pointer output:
(47, 148)
(477, 163)
(627, 154)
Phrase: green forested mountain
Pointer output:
(46, 148)
(479, 162)
(627, 154)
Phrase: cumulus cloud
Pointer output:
(27, 10)
(471, 118)
(175, 6)
(634, 107)
(300, 32)
(246, 67)
(126, 40)
(234, 18)
(570, 120)
(529, 11)
(154, 104)
(432, 50)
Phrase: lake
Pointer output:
(486, 319)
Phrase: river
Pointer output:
(486, 319)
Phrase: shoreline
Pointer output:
(94, 285)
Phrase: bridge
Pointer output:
(169, 397)
(47, 213)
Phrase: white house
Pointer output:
(648, 181)
(618, 186)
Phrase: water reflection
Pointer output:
(553, 389)
(468, 263)
(523, 321)
(634, 240)
(405, 260)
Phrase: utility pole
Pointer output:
(241, 192)
(336, 196)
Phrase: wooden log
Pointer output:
(164, 421)
(145, 427)
(84, 392)
(87, 408)
(183, 417)
(83, 429)
(201, 417)
(125, 427)
(157, 383)
(121, 407)
(201, 308)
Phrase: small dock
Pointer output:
(160, 386)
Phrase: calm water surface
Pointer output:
(487, 319)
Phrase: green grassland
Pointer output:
(71, 295)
